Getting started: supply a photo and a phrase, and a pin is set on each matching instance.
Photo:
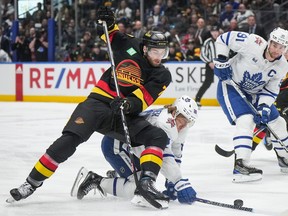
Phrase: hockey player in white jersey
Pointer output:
(257, 68)
(175, 120)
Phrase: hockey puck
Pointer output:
(238, 203)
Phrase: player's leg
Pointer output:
(45, 167)
(78, 129)
(239, 114)
(278, 124)
(154, 139)
(115, 152)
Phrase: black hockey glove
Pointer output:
(105, 14)
(120, 103)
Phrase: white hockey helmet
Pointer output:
(188, 108)
(280, 36)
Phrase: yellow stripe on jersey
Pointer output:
(101, 92)
(151, 158)
(256, 139)
(139, 94)
(103, 37)
(43, 170)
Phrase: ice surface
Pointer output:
(27, 129)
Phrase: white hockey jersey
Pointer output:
(173, 151)
(251, 71)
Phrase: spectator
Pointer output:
(21, 46)
(202, 33)
(156, 15)
(242, 16)
(39, 14)
(254, 28)
(98, 54)
(226, 16)
(4, 42)
(123, 11)
(88, 40)
(138, 30)
(233, 26)
(39, 46)
(174, 53)
(193, 52)
(171, 10)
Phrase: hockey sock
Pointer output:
(42, 170)
(151, 160)
(258, 137)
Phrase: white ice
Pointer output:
(27, 129)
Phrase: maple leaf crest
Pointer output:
(250, 82)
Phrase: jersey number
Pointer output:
(241, 37)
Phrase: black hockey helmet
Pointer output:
(155, 39)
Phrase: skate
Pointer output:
(22, 192)
(283, 163)
(85, 182)
(146, 195)
(244, 173)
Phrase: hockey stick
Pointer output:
(225, 205)
(236, 87)
(226, 153)
(124, 122)
(182, 51)
(123, 118)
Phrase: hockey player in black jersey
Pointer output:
(142, 79)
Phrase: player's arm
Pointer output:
(146, 94)
(232, 40)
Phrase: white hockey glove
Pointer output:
(222, 68)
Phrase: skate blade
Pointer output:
(239, 178)
(10, 200)
(141, 202)
(83, 172)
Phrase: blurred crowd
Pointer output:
(186, 24)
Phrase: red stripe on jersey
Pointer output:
(153, 150)
(147, 97)
(48, 162)
(105, 87)
(261, 135)
(111, 35)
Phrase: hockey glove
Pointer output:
(105, 14)
(170, 191)
(264, 113)
(222, 68)
(120, 103)
(186, 194)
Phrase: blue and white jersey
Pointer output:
(173, 151)
(251, 71)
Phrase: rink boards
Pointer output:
(72, 82)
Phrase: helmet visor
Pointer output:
(161, 53)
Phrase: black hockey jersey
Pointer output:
(140, 82)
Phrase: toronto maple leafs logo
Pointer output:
(250, 82)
